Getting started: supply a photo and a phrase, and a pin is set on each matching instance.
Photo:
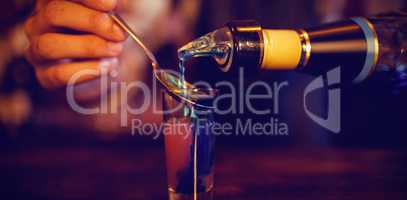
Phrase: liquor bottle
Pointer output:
(359, 46)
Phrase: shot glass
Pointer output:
(189, 147)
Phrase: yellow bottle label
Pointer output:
(282, 49)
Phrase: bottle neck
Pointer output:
(352, 45)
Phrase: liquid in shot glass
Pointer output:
(189, 141)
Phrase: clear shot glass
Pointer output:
(189, 141)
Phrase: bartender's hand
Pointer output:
(67, 36)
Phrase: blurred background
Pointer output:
(48, 151)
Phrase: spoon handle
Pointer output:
(120, 21)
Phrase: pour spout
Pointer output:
(204, 46)
(217, 45)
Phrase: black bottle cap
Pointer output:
(247, 46)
